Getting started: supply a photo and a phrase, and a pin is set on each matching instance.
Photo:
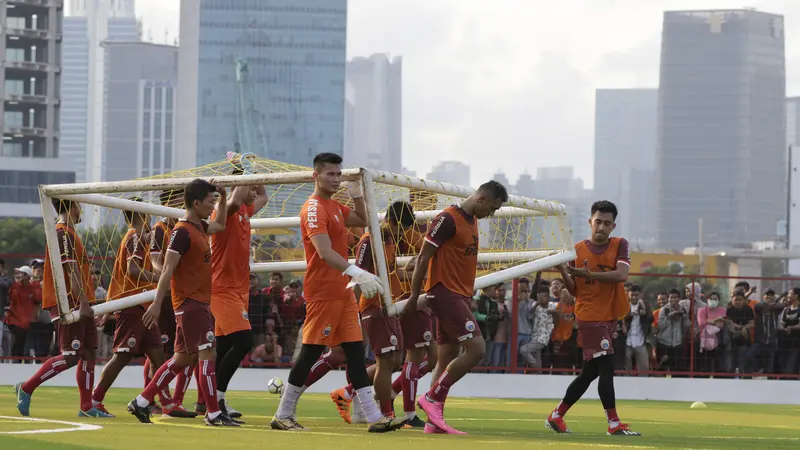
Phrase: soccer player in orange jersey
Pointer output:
(186, 275)
(78, 341)
(159, 243)
(596, 278)
(133, 273)
(331, 309)
(383, 332)
(230, 281)
(449, 256)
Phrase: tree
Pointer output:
(21, 237)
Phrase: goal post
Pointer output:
(524, 236)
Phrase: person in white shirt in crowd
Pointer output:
(673, 323)
(524, 314)
(635, 327)
(543, 324)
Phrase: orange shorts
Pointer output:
(230, 312)
(331, 322)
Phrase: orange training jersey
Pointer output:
(72, 250)
(122, 284)
(230, 253)
(364, 260)
(159, 241)
(324, 216)
(192, 277)
(595, 301)
(455, 234)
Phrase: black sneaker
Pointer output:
(231, 413)
(415, 422)
(141, 413)
(221, 420)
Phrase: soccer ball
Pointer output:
(275, 386)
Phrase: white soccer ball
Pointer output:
(275, 386)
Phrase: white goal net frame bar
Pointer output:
(92, 193)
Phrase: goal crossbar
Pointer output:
(256, 224)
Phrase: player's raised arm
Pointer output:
(569, 283)
(261, 199)
(218, 224)
(237, 198)
(359, 216)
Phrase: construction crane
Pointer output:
(250, 134)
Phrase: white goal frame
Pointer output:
(92, 193)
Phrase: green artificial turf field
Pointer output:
(496, 423)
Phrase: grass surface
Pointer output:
(496, 423)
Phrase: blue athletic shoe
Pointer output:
(23, 400)
(96, 413)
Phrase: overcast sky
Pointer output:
(510, 87)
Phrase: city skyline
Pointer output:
(531, 64)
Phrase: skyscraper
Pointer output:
(377, 138)
(455, 172)
(293, 88)
(87, 25)
(721, 127)
(624, 158)
(30, 79)
(140, 109)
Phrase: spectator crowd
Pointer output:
(675, 332)
(684, 331)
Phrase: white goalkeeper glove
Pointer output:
(354, 188)
(370, 284)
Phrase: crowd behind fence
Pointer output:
(680, 325)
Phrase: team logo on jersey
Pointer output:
(393, 339)
(604, 344)
(210, 336)
(132, 342)
(326, 331)
(164, 338)
(76, 344)
(427, 336)
(470, 326)
(244, 315)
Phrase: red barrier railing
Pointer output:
(771, 353)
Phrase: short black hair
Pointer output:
(738, 292)
(675, 291)
(402, 213)
(197, 190)
(742, 285)
(276, 274)
(543, 290)
(559, 279)
(523, 280)
(605, 206)
(713, 293)
(326, 158)
(494, 189)
(636, 288)
(129, 214)
(61, 206)
(2, 263)
(168, 195)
